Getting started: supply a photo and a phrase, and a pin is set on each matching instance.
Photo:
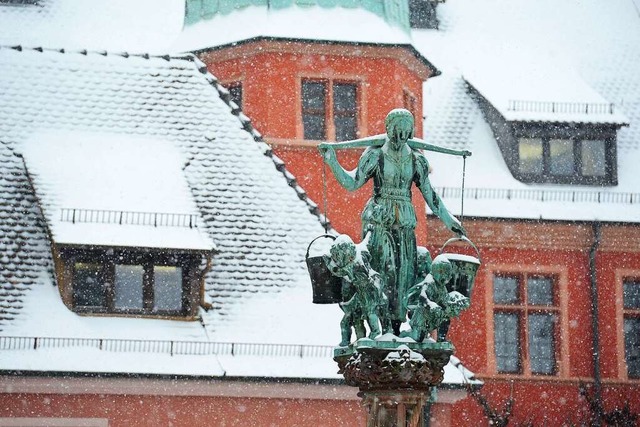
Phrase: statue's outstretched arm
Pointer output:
(419, 144)
(351, 180)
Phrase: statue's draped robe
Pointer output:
(390, 217)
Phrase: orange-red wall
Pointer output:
(525, 246)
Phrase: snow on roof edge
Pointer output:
(410, 47)
(616, 118)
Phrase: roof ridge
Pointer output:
(85, 52)
(257, 137)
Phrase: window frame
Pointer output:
(622, 276)
(329, 108)
(559, 309)
(576, 134)
(108, 258)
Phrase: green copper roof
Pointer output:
(395, 12)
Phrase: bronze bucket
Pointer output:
(465, 267)
(327, 288)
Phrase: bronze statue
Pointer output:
(363, 299)
(395, 162)
(431, 304)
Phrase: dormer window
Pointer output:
(562, 157)
(568, 155)
(128, 282)
(552, 142)
(109, 259)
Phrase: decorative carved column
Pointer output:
(394, 379)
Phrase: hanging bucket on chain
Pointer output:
(327, 288)
(465, 267)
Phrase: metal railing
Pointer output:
(560, 107)
(195, 348)
(103, 216)
(541, 195)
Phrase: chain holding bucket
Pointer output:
(465, 267)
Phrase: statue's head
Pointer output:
(441, 269)
(424, 262)
(343, 253)
(399, 124)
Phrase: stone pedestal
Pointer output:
(394, 378)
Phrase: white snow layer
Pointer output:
(121, 187)
(142, 25)
(308, 23)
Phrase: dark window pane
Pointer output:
(561, 160)
(236, 94)
(88, 285)
(631, 292)
(507, 342)
(314, 127)
(632, 346)
(313, 110)
(505, 290)
(540, 291)
(128, 287)
(593, 158)
(541, 343)
(345, 111)
(313, 95)
(530, 151)
(344, 97)
(167, 288)
(345, 128)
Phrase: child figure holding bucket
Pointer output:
(431, 305)
(363, 299)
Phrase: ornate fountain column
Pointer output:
(394, 379)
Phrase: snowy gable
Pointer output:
(114, 190)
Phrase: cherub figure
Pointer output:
(363, 299)
(424, 263)
(432, 305)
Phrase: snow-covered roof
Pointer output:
(89, 103)
(250, 206)
(270, 344)
(142, 25)
(294, 22)
(573, 56)
(113, 190)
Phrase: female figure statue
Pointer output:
(394, 161)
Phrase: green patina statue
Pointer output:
(430, 303)
(394, 161)
(363, 299)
